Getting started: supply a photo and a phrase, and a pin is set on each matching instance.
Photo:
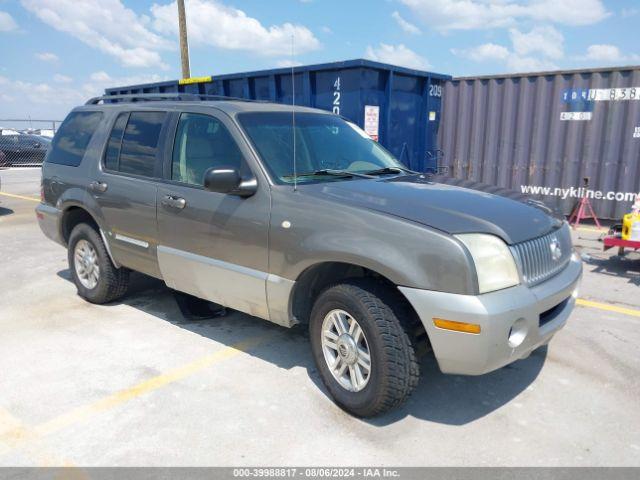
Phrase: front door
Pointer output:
(212, 245)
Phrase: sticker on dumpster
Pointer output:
(601, 94)
(614, 94)
(568, 116)
(432, 116)
(636, 133)
(371, 120)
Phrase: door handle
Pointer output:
(98, 186)
(174, 202)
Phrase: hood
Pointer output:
(444, 207)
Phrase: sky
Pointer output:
(54, 54)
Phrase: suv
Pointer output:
(294, 215)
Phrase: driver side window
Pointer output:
(203, 142)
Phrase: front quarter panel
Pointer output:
(404, 252)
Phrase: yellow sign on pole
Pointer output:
(187, 81)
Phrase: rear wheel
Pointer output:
(96, 278)
(361, 350)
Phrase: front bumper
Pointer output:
(542, 310)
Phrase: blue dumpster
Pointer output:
(397, 106)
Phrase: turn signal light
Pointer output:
(457, 326)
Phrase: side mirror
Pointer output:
(228, 180)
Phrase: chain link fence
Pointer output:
(24, 143)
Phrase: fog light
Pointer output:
(575, 292)
(518, 333)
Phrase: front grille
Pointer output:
(536, 257)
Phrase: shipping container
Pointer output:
(545, 133)
(402, 106)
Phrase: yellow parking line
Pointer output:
(610, 308)
(18, 433)
(17, 437)
(21, 197)
(8, 422)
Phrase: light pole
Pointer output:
(184, 45)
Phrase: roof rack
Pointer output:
(157, 97)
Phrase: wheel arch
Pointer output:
(74, 214)
(316, 278)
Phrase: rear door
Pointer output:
(125, 186)
(212, 245)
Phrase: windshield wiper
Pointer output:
(328, 171)
(385, 170)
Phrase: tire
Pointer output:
(394, 371)
(111, 283)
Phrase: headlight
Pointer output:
(495, 265)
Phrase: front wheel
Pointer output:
(360, 348)
(96, 278)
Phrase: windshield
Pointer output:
(325, 145)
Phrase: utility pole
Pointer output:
(184, 45)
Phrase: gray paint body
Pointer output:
(507, 131)
(247, 253)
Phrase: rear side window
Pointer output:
(115, 140)
(71, 141)
(140, 143)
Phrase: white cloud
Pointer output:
(100, 76)
(101, 80)
(629, 12)
(484, 14)
(490, 52)
(106, 25)
(516, 63)
(54, 100)
(397, 55)
(209, 22)
(47, 57)
(7, 23)
(59, 78)
(404, 25)
(27, 94)
(545, 40)
(327, 30)
(484, 52)
(608, 54)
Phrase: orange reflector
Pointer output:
(456, 326)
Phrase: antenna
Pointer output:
(293, 114)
